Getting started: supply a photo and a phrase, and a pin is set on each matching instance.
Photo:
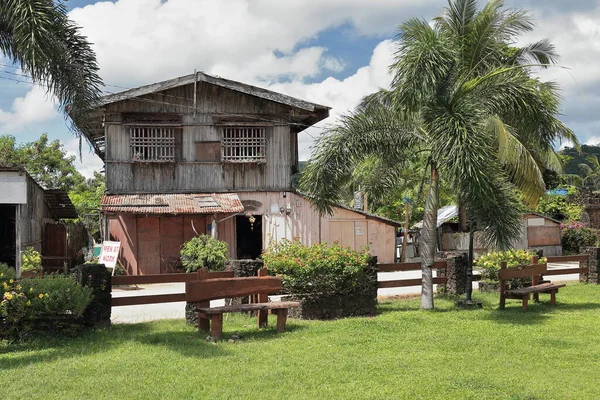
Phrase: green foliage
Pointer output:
(490, 265)
(204, 251)
(320, 269)
(575, 235)
(560, 207)
(39, 37)
(31, 260)
(86, 198)
(582, 164)
(51, 302)
(6, 272)
(47, 162)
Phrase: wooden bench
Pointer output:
(220, 285)
(534, 270)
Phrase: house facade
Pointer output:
(30, 217)
(202, 154)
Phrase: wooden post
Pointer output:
(263, 315)
(405, 237)
(502, 287)
(18, 260)
(282, 314)
(535, 279)
(216, 329)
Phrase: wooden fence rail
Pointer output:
(150, 279)
(400, 267)
(392, 267)
(564, 271)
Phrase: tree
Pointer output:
(86, 198)
(52, 168)
(38, 36)
(47, 162)
(464, 97)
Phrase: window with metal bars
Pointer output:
(243, 144)
(152, 143)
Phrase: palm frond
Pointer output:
(38, 36)
(376, 130)
(522, 168)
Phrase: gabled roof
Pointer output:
(308, 113)
(368, 215)
(213, 80)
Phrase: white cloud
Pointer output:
(341, 95)
(144, 41)
(35, 107)
(88, 163)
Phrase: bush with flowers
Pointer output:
(49, 305)
(321, 268)
(575, 235)
(489, 264)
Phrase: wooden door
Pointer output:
(54, 247)
(148, 229)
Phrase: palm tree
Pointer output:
(38, 36)
(461, 94)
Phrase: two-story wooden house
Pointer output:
(202, 154)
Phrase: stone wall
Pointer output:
(456, 272)
(593, 265)
(333, 307)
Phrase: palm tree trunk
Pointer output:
(429, 241)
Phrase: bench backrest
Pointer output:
(522, 271)
(223, 288)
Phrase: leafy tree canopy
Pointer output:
(47, 162)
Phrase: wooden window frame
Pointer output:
(244, 143)
(153, 143)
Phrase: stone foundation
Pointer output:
(333, 307)
(456, 272)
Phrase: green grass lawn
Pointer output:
(544, 353)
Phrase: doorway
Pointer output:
(249, 237)
(8, 241)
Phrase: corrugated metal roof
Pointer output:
(60, 204)
(189, 203)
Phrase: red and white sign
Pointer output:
(109, 254)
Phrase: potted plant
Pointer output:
(31, 263)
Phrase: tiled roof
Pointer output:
(189, 203)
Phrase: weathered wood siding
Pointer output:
(34, 215)
(349, 228)
(151, 245)
(187, 174)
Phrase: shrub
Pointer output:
(490, 265)
(49, 305)
(6, 273)
(575, 235)
(560, 207)
(321, 268)
(31, 260)
(204, 251)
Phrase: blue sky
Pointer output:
(332, 52)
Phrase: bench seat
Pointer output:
(542, 288)
(207, 288)
(248, 307)
(536, 272)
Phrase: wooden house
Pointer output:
(202, 154)
(29, 217)
(538, 232)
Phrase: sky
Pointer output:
(332, 52)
